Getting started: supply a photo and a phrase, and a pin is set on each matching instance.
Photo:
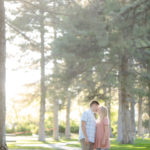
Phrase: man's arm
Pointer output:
(84, 132)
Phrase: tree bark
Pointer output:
(149, 107)
(56, 124)
(109, 112)
(140, 111)
(67, 130)
(43, 89)
(56, 110)
(3, 145)
(55, 102)
(119, 135)
(108, 105)
(148, 84)
(109, 116)
(133, 118)
(125, 114)
(149, 115)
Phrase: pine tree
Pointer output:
(106, 49)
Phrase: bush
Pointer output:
(145, 123)
(114, 129)
(74, 129)
(62, 128)
(33, 128)
(49, 125)
(23, 128)
(10, 129)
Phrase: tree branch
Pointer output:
(135, 5)
(33, 43)
(38, 7)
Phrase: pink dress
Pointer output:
(100, 129)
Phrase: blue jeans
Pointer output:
(101, 149)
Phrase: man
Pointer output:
(88, 127)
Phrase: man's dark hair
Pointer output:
(94, 102)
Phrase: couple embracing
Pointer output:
(94, 134)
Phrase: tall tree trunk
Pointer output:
(3, 145)
(55, 102)
(43, 89)
(148, 84)
(140, 111)
(67, 130)
(108, 104)
(109, 111)
(119, 135)
(126, 124)
(133, 118)
(56, 124)
(149, 114)
(149, 104)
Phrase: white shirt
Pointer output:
(89, 118)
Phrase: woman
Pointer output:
(102, 130)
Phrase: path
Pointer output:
(60, 145)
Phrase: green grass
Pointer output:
(139, 144)
(20, 144)
(30, 147)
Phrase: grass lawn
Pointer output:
(23, 144)
(28, 144)
(139, 144)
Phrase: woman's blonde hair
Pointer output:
(104, 111)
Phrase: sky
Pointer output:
(18, 74)
(16, 79)
(18, 71)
